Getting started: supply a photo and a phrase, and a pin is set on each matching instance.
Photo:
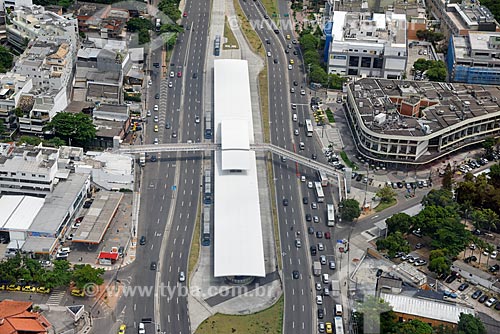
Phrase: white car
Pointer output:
(302, 92)
(490, 302)
(494, 254)
(156, 119)
(148, 113)
(150, 82)
(310, 185)
(294, 117)
(155, 141)
(142, 330)
(155, 107)
(321, 247)
(303, 178)
(182, 276)
(290, 66)
(172, 74)
(319, 300)
(268, 53)
(170, 84)
(197, 119)
(296, 132)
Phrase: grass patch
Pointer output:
(250, 34)
(231, 43)
(267, 321)
(347, 161)
(274, 211)
(329, 114)
(384, 205)
(194, 252)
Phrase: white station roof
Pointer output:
(238, 245)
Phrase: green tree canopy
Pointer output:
(77, 127)
(311, 57)
(469, 324)
(84, 274)
(137, 24)
(170, 8)
(386, 194)
(414, 326)
(394, 243)
(318, 75)
(439, 265)
(6, 59)
(309, 42)
(349, 209)
(439, 197)
(400, 222)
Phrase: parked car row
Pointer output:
(24, 288)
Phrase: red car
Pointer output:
(179, 74)
(327, 235)
(185, 14)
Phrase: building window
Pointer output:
(33, 175)
(354, 61)
(23, 174)
(42, 176)
(366, 62)
(352, 71)
(378, 62)
(12, 174)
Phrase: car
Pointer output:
(295, 83)
(142, 330)
(142, 240)
(292, 90)
(168, 125)
(313, 250)
(329, 328)
(266, 16)
(290, 67)
(296, 274)
(295, 52)
(321, 327)
(400, 185)
(156, 128)
(321, 313)
(310, 185)
(302, 92)
(305, 200)
(294, 106)
(45, 263)
(268, 41)
(172, 74)
(359, 177)
(463, 286)
(287, 36)
(179, 74)
(298, 243)
(494, 254)
(28, 288)
(494, 268)
(296, 132)
(318, 286)
(497, 307)
(197, 119)
(302, 178)
(483, 298)
(174, 134)
(476, 294)
(314, 205)
(77, 293)
(122, 329)
(185, 14)
(308, 217)
(155, 141)
(316, 219)
(331, 264)
(490, 302)
(269, 53)
(419, 263)
(275, 61)
(285, 202)
(291, 61)
(470, 259)
(287, 51)
(157, 96)
(150, 82)
(195, 75)
(319, 234)
(314, 156)
(451, 278)
(417, 233)
(13, 287)
(310, 230)
(152, 266)
(328, 235)
(170, 84)
(62, 256)
(319, 300)
(419, 245)
(321, 247)
(182, 276)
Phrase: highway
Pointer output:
(171, 185)
(298, 312)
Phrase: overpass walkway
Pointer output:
(259, 147)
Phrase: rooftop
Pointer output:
(426, 308)
(17, 317)
(18, 211)
(441, 105)
(29, 159)
(108, 129)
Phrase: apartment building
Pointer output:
(27, 170)
(474, 58)
(12, 87)
(366, 44)
(416, 122)
(459, 17)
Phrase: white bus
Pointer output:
(319, 192)
(339, 325)
(330, 209)
(323, 178)
(309, 128)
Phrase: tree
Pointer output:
(309, 42)
(439, 197)
(170, 8)
(76, 127)
(84, 274)
(336, 81)
(437, 73)
(386, 194)
(485, 219)
(399, 222)
(311, 57)
(495, 175)
(376, 315)
(349, 209)
(318, 74)
(414, 326)
(30, 140)
(421, 64)
(6, 59)
(430, 36)
(137, 24)
(488, 145)
(60, 274)
(394, 243)
(489, 249)
(439, 265)
(469, 324)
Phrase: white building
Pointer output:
(12, 87)
(367, 44)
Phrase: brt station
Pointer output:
(238, 240)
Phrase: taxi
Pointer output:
(156, 128)
(329, 329)
(42, 289)
(287, 36)
(122, 329)
(78, 293)
(291, 61)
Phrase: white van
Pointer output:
(142, 330)
(294, 117)
(325, 278)
(338, 310)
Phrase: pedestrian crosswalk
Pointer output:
(56, 297)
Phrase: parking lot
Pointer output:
(416, 51)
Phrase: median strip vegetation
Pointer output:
(269, 320)
(250, 34)
(194, 252)
(347, 161)
(231, 42)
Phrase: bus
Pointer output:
(330, 211)
(323, 178)
(207, 198)
(205, 239)
(319, 192)
(217, 46)
(309, 128)
(339, 325)
(142, 159)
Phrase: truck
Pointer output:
(335, 288)
(317, 268)
(142, 159)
